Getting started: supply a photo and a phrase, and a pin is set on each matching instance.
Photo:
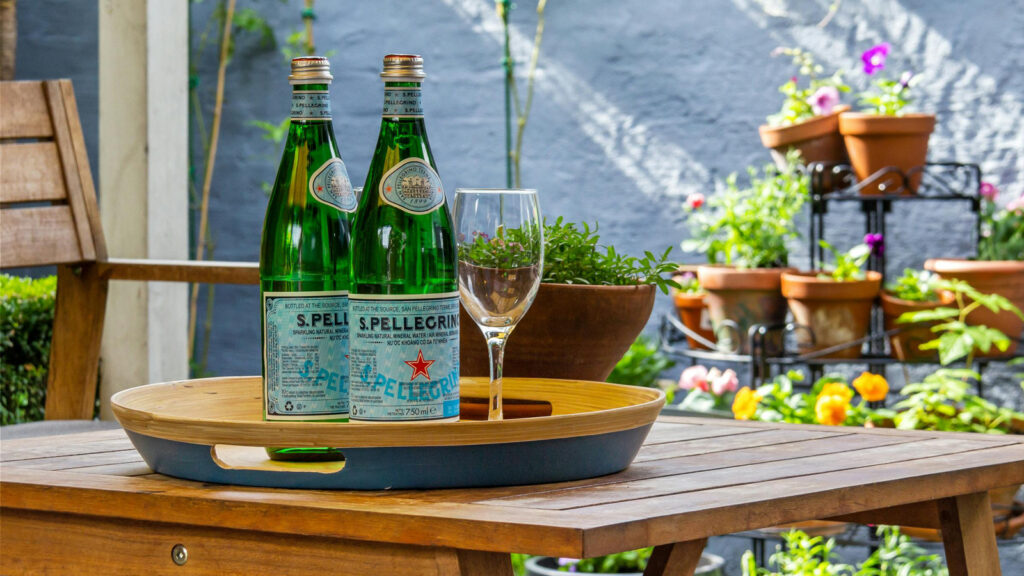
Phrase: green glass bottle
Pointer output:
(404, 305)
(304, 266)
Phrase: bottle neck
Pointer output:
(311, 103)
(402, 102)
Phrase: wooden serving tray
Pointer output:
(212, 430)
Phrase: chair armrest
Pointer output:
(198, 271)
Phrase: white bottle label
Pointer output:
(311, 105)
(412, 186)
(305, 355)
(404, 357)
(403, 103)
(330, 184)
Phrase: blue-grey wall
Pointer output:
(637, 104)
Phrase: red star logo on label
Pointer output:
(419, 366)
(388, 188)
(319, 188)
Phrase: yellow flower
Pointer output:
(831, 409)
(836, 389)
(744, 404)
(872, 387)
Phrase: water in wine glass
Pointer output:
(501, 255)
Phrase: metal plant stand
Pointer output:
(932, 182)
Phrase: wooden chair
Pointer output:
(49, 216)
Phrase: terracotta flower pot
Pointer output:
(571, 331)
(836, 312)
(904, 346)
(817, 139)
(875, 142)
(1003, 277)
(739, 298)
(694, 315)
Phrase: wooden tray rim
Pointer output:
(208, 431)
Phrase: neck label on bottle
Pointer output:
(412, 186)
(404, 357)
(304, 355)
(311, 105)
(403, 103)
(331, 185)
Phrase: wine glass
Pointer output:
(500, 238)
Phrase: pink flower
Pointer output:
(874, 58)
(1016, 205)
(824, 100)
(695, 201)
(988, 191)
(722, 382)
(694, 377)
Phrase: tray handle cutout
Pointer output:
(230, 457)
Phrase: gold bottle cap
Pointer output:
(403, 68)
(310, 70)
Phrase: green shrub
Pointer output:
(26, 328)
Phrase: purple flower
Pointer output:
(988, 191)
(876, 242)
(570, 562)
(905, 79)
(824, 100)
(874, 58)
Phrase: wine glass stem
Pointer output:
(496, 348)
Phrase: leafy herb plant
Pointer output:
(1002, 230)
(749, 227)
(915, 286)
(641, 365)
(818, 97)
(957, 339)
(943, 402)
(848, 265)
(573, 255)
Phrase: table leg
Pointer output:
(473, 563)
(968, 535)
(679, 559)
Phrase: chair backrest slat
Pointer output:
(23, 111)
(30, 172)
(47, 203)
(40, 234)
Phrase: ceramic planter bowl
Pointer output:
(818, 139)
(876, 142)
(905, 345)
(709, 565)
(694, 314)
(836, 312)
(571, 331)
(739, 298)
(1003, 277)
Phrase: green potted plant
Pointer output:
(744, 233)
(803, 554)
(836, 304)
(591, 305)
(691, 308)
(809, 118)
(914, 291)
(883, 134)
(642, 365)
(999, 268)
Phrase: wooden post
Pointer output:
(144, 185)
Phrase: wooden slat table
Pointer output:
(87, 504)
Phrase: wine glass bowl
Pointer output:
(500, 241)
